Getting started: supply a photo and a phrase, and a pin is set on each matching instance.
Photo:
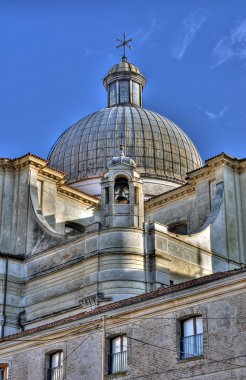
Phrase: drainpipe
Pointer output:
(5, 296)
(19, 320)
(103, 346)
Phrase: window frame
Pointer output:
(136, 89)
(196, 340)
(122, 360)
(126, 90)
(113, 97)
(48, 373)
(5, 368)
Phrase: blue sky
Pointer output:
(54, 55)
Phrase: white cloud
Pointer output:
(192, 24)
(232, 46)
(216, 116)
(141, 35)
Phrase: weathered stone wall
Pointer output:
(29, 221)
(11, 294)
(195, 205)
(153, 329)
(193, 208)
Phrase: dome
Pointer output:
(158, 146)
(124, 67)
(163, 153)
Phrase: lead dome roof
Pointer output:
(123, 67)
(159, 147)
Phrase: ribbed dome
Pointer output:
(123, 67)
(159, 147)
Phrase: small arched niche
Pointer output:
(121, 190)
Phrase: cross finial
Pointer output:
(124, 43)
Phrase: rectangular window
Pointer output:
(136, 195)
(55, 370)
(118, 355)
(4, 372)
(191, 341)
(135, 93)
(106, 195)
(40, 192)
(112, 94)
(124, 91)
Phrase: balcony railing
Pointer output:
(55, 373)
(191, 346)
(118, 362)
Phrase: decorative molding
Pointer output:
(205, 172)
(93, 300)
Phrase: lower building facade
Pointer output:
(192, 330)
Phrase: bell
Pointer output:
(122, 196)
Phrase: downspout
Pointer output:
(19, 320)
(5, 296)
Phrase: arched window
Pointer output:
(178, 228)
(118, 354)
(121, 190)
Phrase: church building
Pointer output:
(122, 255)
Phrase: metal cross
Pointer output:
(124, 43)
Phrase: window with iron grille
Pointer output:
(118, 354)
(191, 341)
(55, 370)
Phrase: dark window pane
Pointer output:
(124, 91)
(135, 93)
(112, 94)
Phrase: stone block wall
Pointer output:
(153, 330)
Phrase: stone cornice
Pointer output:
(155, 302)
(31, 161)
(237, 164)
(169, 196)
(207, 171)
(71, 192)
(12, 256)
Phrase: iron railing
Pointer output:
(118, 362)
(55, 373)
(191, 346)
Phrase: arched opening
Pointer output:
(121, 190)
(73, 228)
(178, 228)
